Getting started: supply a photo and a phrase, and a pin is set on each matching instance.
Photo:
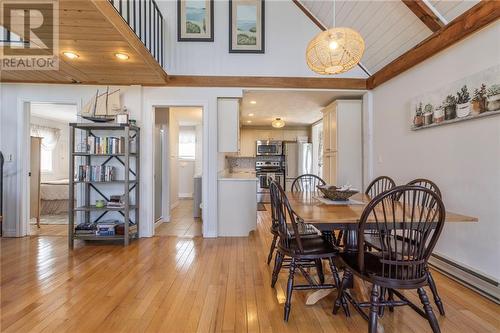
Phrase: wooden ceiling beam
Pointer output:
(425, 14)
(266, 82)
(479, 16)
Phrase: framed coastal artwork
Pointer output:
(195, 20)
(472, 97)
(246, 26)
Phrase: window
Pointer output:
(187, 142)
(46, 160)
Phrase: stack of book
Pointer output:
(115, 201)
(85, 229)
(106, 228)
(95, 173)
(105, 145)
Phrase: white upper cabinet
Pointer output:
(228, 122)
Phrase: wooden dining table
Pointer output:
(330, 217)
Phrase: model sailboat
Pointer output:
(103, 107)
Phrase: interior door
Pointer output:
(35, 175)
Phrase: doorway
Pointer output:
(48, 176)
(178, 165)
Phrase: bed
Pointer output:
(54, 196)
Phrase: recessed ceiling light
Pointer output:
(250, 114)
(121, 56)
(70, 55)
(249, 121)
(253, 102)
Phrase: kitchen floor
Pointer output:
(182, 223)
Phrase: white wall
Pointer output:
(462, 158)
(287, 32)
(60, 163)
(186, 174)
(173, 133)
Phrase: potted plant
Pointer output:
(450, 107)
(418, 120)
(428, 112)
(478, 103)
(463, 106)
(493, 98)
(439, 114)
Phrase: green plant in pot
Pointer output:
(439, 114)
(463, 99)
(450, 107)
(418, 120)
(428, 114)
(493, 98)
(478, 103)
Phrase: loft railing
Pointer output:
(145, 19)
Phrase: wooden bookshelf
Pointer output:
(130, 181)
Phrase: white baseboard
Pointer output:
(467, 276)
(185, 195)
(9, 233)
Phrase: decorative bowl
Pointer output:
(333, 192)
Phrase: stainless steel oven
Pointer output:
(269, 148)
(267, 171)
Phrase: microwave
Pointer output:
(269, 148)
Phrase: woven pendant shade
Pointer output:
(334, 51)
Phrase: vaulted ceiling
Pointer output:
(389, 28)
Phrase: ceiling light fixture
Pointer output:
(253, 102)
(335, 50)
(122, 56)
(71, 55)
(250, 114)
(278, 123)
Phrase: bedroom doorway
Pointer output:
(49, 167)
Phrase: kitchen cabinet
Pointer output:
(248, 137)
(342, 143)
(228, 122)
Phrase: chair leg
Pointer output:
(435, 293)
(278, 262)
(381, 300)
(289, 289)
(338, 283)
(340, 296)
(319, 269)
(428, 310)
(372, 325)
(390, 298)
(271, 250)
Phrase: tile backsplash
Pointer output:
(236, 163)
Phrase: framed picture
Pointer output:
(246, 26)
(195, 20)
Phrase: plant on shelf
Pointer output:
(463, 106)
(428, 112)
(418, 120)
(450, 107)
(478, 102)
(493, 98)
(439, 114)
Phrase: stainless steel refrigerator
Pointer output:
(298, 161)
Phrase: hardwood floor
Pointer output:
(178, 284)
(182, 223)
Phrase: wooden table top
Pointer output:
(320, 214)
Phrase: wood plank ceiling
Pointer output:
(389, 28)
(95, 32)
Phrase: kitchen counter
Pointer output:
(242, 176)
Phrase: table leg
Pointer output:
(350, 244)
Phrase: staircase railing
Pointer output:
(145, 19)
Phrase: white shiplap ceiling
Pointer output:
(389, 28)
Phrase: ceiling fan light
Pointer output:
(335, 51)
(278, 123)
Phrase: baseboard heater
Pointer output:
(480, 283)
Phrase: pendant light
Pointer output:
(278, 123)
(335, 50)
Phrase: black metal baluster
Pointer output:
(150, 15)
(133, 12)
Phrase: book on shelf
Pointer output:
(116, 201)
(105, 145)
(95, 173)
